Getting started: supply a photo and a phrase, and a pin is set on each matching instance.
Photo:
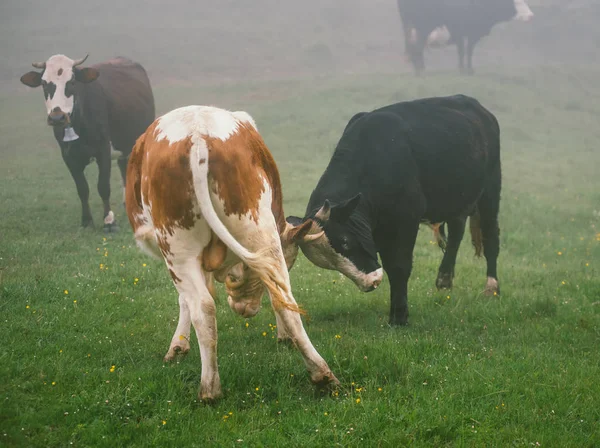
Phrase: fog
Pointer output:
(187, 41)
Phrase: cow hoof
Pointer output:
(491, 287)
(180, 349)
(111, 228)
(209, 397)
(398, 321)
(325, 383)
(88, 224)
(444, 281)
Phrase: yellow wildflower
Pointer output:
(357, 400)
(66, 291)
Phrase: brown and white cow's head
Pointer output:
(341, 243)
(59, 79)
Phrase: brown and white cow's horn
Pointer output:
(40, 65)
(314, 236)
(80, 61)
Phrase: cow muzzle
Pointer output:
(371, 281)
(58, 118)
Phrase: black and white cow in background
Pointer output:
(460, 22)
(434, 160)
(90, 108)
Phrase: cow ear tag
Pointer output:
(70, 135)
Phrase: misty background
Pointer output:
(189, 41)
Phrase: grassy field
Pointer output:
(86, 318)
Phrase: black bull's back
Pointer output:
(435, 160)
(126, 91)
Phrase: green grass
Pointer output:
(516, 370)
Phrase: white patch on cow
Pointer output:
(321, 253)
(491, 286)
(439, 37)
(245, 117)
(109, 218)
(59, 70)
(524, 13)
(181, 123)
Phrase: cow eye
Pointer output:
(345, 245)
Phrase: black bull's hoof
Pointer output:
(396, 321)
(444, 280)
(111, 228)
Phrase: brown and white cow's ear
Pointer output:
(85, 75)
(300, 233)
(32, 79)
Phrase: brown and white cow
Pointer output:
(203, 192)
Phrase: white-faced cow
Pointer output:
(460, 22)
(434, 160)
(89, 108)
(203, 192)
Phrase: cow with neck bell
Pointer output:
(90, 109)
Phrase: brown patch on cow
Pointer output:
(133, 198)
(184, 161)
(60, 71)
(174, 276)
(164, 245)
(166, 180)
(208, 307)
(237, 166)
(202, 160)
(213, 255)
(476, 234)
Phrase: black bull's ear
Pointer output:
(32, 79)
(342, 212)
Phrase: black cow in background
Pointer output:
(460, 22)
(90, 108)
(432, 160)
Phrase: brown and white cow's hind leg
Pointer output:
(180, 344)
(191, 284)
(291, 328)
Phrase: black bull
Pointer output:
(467, 21)
(434, 160)
(116, 107)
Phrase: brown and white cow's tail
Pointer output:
(263, 262)
(143, 231)
(476, 235)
